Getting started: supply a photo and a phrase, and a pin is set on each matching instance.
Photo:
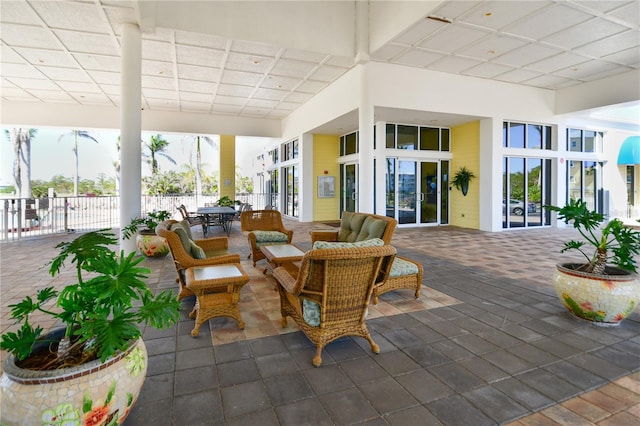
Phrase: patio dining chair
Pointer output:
(264, 227)
(193, 220)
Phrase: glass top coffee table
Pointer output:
(281, 255)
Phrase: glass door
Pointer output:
(414, 191)
(349, 186)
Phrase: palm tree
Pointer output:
(20, 139)
(199, 161)
(76, 134)
(157, 146)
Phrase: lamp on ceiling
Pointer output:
(630, 151)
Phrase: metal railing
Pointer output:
(29, 217)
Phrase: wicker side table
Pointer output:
(217, 289)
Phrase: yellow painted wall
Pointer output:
(325, 157)
(464, 211)
(227, 166)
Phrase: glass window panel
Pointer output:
(516, 135)
(407, 137)
(505, 193)
(444, 192)
(589, 141)
(534, 136)
(390, 183)
(574, 140)
(546, 190)
(295, 149)
(341, 146)
(391, 136)
(351, 144)
(429, 139)
(515, 205)
(574, 174)
(444, 140)
(505, 127)
(533, 206)
(589, 184)
(547, 137)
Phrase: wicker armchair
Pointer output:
(264, 227)
(187, 252)
(357, 227)
(329, 296)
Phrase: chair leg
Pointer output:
(317, 360)
(374, 346)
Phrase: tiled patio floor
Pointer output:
(487, 343)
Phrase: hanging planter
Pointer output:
(461, 179)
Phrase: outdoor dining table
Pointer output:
(218, 216)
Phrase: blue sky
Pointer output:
(50, 157)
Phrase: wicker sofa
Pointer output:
(354, 227)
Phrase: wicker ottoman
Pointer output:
(405, 273)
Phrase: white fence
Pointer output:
(29, 217)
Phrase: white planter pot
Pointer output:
(93, 393)
(152, 245)
(602, 299)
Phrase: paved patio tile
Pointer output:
(196, 380)
(483, 369)
(191, 358)
(425, 356)
(348, 406)
(412, 416)
(523, 393)
(362, 370)
(329, 378)
(386, 395)
(532, 354)
(475, 344)
(396, 362)
(304, 412)
(549, 384)
(455, 410)
(598, 366)
(287, 388)
(508, 362)
(424, 386)
(586, 409)
(233, 373)
(576, 375)
(276, 364)
(495, 404)
(457, 377)
(263, 418)
(194, 409)
(244, 398)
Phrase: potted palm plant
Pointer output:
(144, 228)
(91, 369)
(604, 287)
(461, 179)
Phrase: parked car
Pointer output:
(516, 207)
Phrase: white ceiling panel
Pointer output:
(157, 50)
(99, 44)
(291, 68)
(157, 68)
(585, 33)
(201, 56)
(197, 86)
(56, 58)
(420, 31)
(235, 90)
(74, 48)
(453, 64)
(490, 47)
(195, 97)
(21, 70)
(453, 38)
(498, 14)
(557, 62)
(417, 58)
(549, 20)
(28, 36)
(487, 70)
(105, 77)
(191, 72)
(80, 16)
(98, 62)
(67, 74)
(526, 55)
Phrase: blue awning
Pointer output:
(630, 151)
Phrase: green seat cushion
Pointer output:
(350, 226)
(311, 312)
(401, 268)
(189, 246)
(187, 227)
(374, 242)
(271, 237)
(371, 228)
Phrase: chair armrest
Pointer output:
(216, 243)
(323, 236)
(285, 279)
(289, 233)
(218, 260)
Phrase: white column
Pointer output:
(365, 145)
(130, 129)
(381, 167)
(306, 179)
(491, 174)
